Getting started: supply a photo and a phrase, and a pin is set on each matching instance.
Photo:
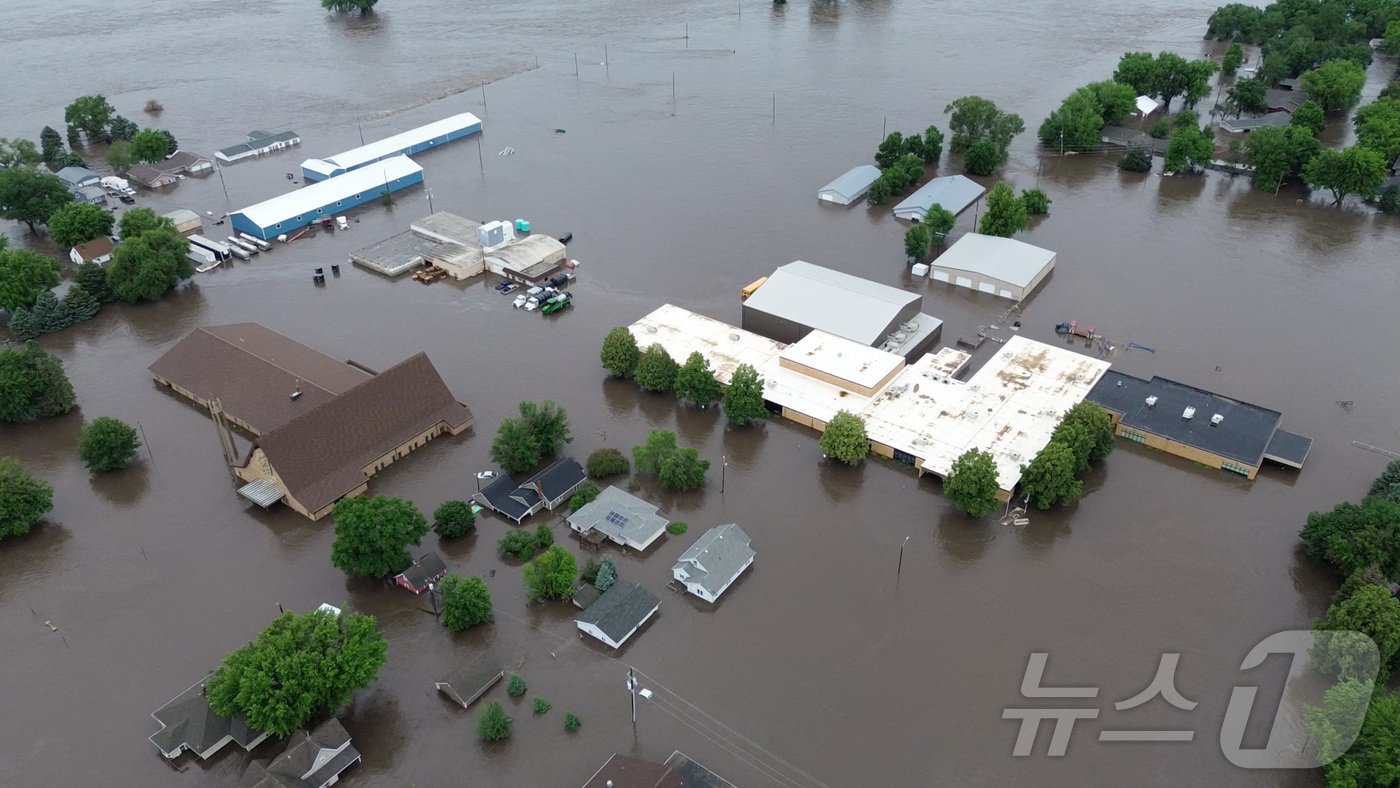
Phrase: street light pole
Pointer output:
(723, 466)
(429, 192)
(632, 690)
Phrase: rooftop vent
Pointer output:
(1152, 400)
(651, 329)
(1188, 413)
(1216, 419)
(734, 337)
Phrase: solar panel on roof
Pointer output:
(617, 519)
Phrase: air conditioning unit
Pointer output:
(1152, 400)
(734, 337)
(1216, 419)
(1188, 413)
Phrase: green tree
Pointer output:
(932, 149)
(48, 315)
(743, 401)
(23, 327)
(1354, 170)
(80, 304)
(50, 145)
(364, 7)
(121, 130)
(1310, 116)
(466, 602)
(1138, 70)
(19, 153)
(844, 438)
(1389, 202)
(148, 145)
(1076, 125)
(620, 353)
(1036, 201)
(120, 158)
(696, 383)
(91, 115)
(606, 462)
(587, 493)
(1116, 101)
(513, 449)
(890, 150)
(1365, 576)
(300, 667)
(108, 444)
(552, 574)
(1234, 58)
(939, 221)
(571, 721)
(983, 158)
(518, 544)
(493, 724)
(78, 223)
(1278, 152)
(516, 686)
(1087, 429)
(148, 265)
(24, 500)
(548, 425)
(1369, 761)
(23, 276)
(373, 534)
(32, 385)
(659, 445)
(1005, 214)
(140, 220)
(454, 519)
(92, 278)
(1378, 127)
(541, 705)
(1190, 148)
(1237, 21)
(607, 575)
(1336, 84)
(171, 144)
(916, 242)
(977, 120)
(972, 483)
(1387, 485)
(1354, 536)
(544, 538)
(1373, 612)
(1247, 95)
(1177, 76)
(31, 195)
(1050, 477)
(656, 370)
(683, 470)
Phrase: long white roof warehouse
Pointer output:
(406, 142)
(294, 210)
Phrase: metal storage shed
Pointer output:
(989, 264)
(850, 187)
(953, 192)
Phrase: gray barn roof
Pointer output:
(1242, 436)
(717, 557)
(858, 309)
(855, 182)
(620, 609)
(622, 516)
(1006, 259)
(953, 192)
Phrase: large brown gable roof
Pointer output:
(253, 371)
(320, 455)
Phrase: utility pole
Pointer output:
(775, 109)
(479, 159)
(228, 204)
(361, 127)
(900, 567)
(483, 97)
(723, 466)
(575, 64)
(632, 690)
(429, 192)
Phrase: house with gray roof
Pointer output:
(714, 562)
(260, 143)
(618, 613)
(1248, 123)
(312, 759)
(73, 177)
(621, 517)
(188, 724)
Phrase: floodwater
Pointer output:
(822, 667)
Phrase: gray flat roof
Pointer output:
(1257, 122)
(832, 301)
(1243, 435)
(1288, 448)
(953, 192)
(855, 182)
(1006, 259)
(397, 254)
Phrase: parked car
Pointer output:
(126, 198)
(510, 288)
(501, 286)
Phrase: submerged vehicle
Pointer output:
(557, 303)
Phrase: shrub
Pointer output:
(607, 575)
(24, 500)
(607, 462)
(107, 444)
(552, 574)
(541, 705)
(676, 529)
(454, 519)
(587, 493)
(493, 724)
(1136, 160)
(1161, 129)
(516, 686)
(572, 723)
(466, 602)
(544, 538)
(518, 544)
(590, 571)
(1036, 201)
(1390, 200)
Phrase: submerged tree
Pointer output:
(466, 602)
(696, 383)
(552, 574)
(743, 402)
(108, 444)
(373, 534)
(844, 438)
(24, 500)
(1006, 215)
(1050, 477)
(971, 483)
(656, 370)
(620, 353)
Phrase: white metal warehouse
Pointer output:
(990, 264)
(851, 186)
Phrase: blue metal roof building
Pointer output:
(404, 143)
(292, 211)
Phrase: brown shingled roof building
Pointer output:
(325, 443)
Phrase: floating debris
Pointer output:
(507, 151)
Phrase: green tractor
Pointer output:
(557, 303)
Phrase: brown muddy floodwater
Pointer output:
(816, 670)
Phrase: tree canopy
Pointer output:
(1087, 429)
(363, 6)
(1369, 761)
(552, 574)
(90, 115)
(1166, 76)
(19, 153)
(512, 449)
(606, 462)
(148, 145)
(695, 382)
(677, 468)
(300, 667)
(540, 431)
(1355, 536)
(1387, 485)
(939, 221)
(1378, 127)
(107, 444)
(977, 123)
(454, 519)
(1049, 479)
(1336, 84)
(1354, 170)
(32, 385)
(1310, 116)
(140, 220)
(1375, 613)
(24, 500)
(31, 195)
(844, 438)
(743, 402)
(78, 223)
(1006, 214)
(147, 265)
(971, 483)
(916, 242)
(656, 370)
(23, 276)
(1233, 59)
(1247, 96)
(1277, 153)
(1075, 126)
(466, 602)
(493, 724)
(373, 534)
(1191, 148)
(620, 353)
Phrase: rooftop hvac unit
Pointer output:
(1152, 400)
(1188, 413)
(651, 329)
(1216, 419)
(912, 325)
(734, 337)
(900, 336)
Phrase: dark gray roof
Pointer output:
(1286, 100)
(425, 570)
(855, 182)
(187, 721)
(509, 499)
(1242, 436)
(620, 609)
(832, 301)
(1126, 137)
(717, 557)
(558, 478)
(1255, 122)
(311, 760)
(1288, 448)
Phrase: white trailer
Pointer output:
(255, 241)
(220, 251)
(201, 256)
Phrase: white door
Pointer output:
(986, 287)
(964, 282)
(940, 276)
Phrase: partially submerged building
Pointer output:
(151, 177)
(74, 177)
(1199, 425)
(710, 566)
(619, 517)
(185, 221)
(545, 490)
(312, 759)
(259, 143)
(954, 192)
(678, 771)
(1248, 123)
(294, 210)
(618, 613)
(425, 137)
(464, 248)
(188, 724)
(1003, 267)
(98, 250)
(801, 297)
(422, 573)
(851, 186)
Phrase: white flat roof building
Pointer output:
(1003, 267)
(409, 142)
(682, 332)
(841, 362)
